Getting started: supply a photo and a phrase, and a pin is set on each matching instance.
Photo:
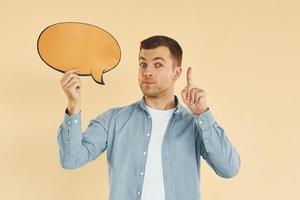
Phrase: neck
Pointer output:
(160, 103)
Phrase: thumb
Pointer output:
(183, 94)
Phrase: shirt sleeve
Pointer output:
(76, 148)
(215, 146)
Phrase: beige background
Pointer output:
(244, 54)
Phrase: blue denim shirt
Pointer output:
(125, 132)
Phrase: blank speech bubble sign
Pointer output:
(68, 45)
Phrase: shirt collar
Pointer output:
(178, 108)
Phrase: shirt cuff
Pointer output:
(72, 122)
(205, 120)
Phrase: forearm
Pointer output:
(71, 151)
(216, 148)
(77, 148)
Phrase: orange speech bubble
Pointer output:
(67, 45)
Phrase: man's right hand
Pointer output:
(71, 85)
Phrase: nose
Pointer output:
(148, 71)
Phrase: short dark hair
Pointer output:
(160, 40)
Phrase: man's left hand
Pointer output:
(194, 97)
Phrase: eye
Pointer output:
(158, 65)
(143, 65)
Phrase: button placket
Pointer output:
(148, 131)
(66, 140)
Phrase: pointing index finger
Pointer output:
(189, 76)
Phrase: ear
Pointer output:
(177, 72)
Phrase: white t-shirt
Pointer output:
(153, 186)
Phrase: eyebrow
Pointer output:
(156, 58)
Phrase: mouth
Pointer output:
(148, 82)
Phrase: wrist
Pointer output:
(199, 112)
(73, 108)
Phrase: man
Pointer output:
(153, 145)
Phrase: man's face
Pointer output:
(156, 74)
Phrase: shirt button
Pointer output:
(148, 134)
(201, 122)
(138, 193)
(69, 122)
(66, 141)
(149, 116)
(75, 121)
(206, 141)
(144, 153)
(142, 173)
